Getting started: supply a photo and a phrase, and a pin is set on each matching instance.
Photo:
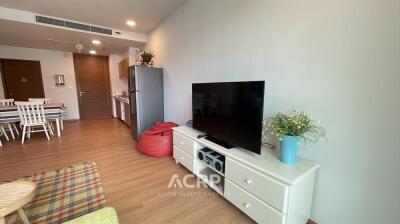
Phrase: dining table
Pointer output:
(51, 111)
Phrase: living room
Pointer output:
(338, 61)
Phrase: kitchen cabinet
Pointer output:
(118, 108)
(123, 68)
(122, 109)
(127, 114)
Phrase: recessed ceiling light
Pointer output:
(92, 52)
(130, 23)
(96, 42)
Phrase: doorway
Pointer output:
(22, 79)
(93, 86)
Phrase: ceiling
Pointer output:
(37, 36)
(109, 13)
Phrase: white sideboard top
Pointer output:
(268, 162)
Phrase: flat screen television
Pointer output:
(230, 113)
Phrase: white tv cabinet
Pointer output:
(259, 185)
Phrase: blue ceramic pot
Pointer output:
(288, 149)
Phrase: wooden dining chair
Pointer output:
(48, 101)
(45, 101)
(11, 126)
(6, 102)
(1, 134)
(32, 115)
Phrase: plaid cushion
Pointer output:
(64, 194)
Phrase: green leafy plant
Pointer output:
(294, 124)
(147, 56)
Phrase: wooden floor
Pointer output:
(136, 185)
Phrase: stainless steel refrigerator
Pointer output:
(146, 97)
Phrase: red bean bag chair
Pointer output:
(157, 140)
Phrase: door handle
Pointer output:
(82, 93)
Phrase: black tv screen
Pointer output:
(230, 113)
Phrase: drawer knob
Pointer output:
(248, 181)
(181, 143)
(182, 158)
(246, 205)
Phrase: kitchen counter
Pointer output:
(122, 109)
(123, 99)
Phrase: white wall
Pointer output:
(337, 60)
(52, 62)
(133, 54)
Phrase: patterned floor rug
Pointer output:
(64, 194)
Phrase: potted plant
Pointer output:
(147, 56)
(292, 128)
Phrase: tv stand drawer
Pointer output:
(265, 188)
(251, 206)
(185, 144)
(184, 159)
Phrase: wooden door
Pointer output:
(93, 86)
(22, 79)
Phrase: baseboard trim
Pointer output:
(310, 222)
(70, 120)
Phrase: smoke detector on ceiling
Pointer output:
(79, 47)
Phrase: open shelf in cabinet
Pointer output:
(211, 177)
